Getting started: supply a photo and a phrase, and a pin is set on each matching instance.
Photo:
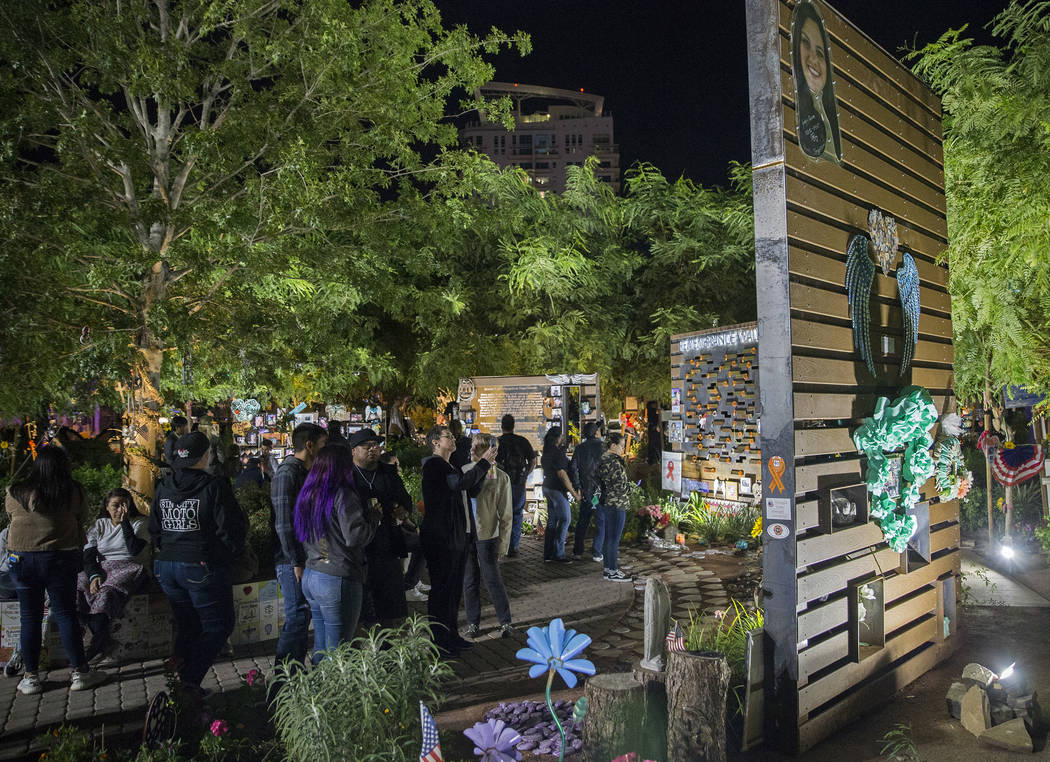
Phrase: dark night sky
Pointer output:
(674, 74)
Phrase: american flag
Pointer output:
(431, 751)
(675, 639)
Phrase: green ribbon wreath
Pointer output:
(903, 425)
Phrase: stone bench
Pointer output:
(145, 630)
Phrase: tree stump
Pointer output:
(697, 683)
(623, 716)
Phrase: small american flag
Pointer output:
(431, 751)
(675, 639)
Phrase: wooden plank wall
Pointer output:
(891, 160)
(720, 383)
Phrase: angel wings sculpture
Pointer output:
(860, 273)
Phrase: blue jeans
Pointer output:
(517, 504)
(558, 517)
(54, 571)
(335, 603)
(614, 521)
(201, 598)
(483, 566)
(587, 508)
(295, 633)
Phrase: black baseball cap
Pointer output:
(364, 436)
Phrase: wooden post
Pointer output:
(697, 684)
(624, 715)
(987, 462)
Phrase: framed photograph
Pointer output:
(745, 485)
(271, 419)
(356, 417)
(892, 485)
(729, 489)
(468, 416)
(675, 431)
(240, 440)
(676, 400)
(816, 114)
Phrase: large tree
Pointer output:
(997, 159)
(200, 183)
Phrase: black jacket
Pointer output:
(584, 466)
(387, 489)
(445, 517)
(195, 518)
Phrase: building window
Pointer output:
(543, 165)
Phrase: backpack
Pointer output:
(512, 460)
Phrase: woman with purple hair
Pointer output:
(334, 529)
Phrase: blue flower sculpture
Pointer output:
(553, 648)
(494, 741)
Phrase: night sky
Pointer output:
(674, 74)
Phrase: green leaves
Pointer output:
(997, 108)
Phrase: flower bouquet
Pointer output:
(652, 518)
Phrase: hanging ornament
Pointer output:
(953, 480)
(85, 335)
(244, 411)
(883, 231)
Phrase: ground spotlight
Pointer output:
(1007, 552)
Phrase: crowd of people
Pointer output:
(347, 545)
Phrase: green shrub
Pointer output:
(362, 701)
(97, 482)
(1042, 533)
(255, 502)
(409, 453)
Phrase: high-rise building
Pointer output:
(553, 129)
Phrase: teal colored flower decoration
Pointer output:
(553, 649)
(903, 425)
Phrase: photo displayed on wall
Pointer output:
(816, 112)
(675, 431)
(676, 400)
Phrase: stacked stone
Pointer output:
(999, 711)
(539, 734)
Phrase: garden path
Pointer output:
(611, 613)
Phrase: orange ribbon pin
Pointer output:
(776, 470)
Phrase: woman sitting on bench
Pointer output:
(116, 559)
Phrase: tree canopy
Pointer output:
(204, 199)
(997, 158)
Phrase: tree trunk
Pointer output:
(142, 427)
(696, 706)
(1009, 521)
(623, 716)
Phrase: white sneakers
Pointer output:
(417, 593)
(30, 684)
(82, 681)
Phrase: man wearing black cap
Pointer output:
(380, 482)
(198, 529)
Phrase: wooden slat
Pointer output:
(822, 618)
(857, 131)
(946, 511)
(945, 538)
(851, 212)
(826, 688)
(871, 694)
(832, 271)
(899, 585)
(860, 158)
(805, 230)
(806, 515)
(906, 611)
(806, 477)
(870, 193)
(819, 301)
(886, 107)
(825, 371)
(822, 442)
(833, 579)
(817, 657)
(820, 406)
(814, 550)
(806, 334)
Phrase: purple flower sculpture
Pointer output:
(494, 741)
(553, 648)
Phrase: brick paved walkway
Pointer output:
(610, 613)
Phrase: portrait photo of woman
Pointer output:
(816, 112)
